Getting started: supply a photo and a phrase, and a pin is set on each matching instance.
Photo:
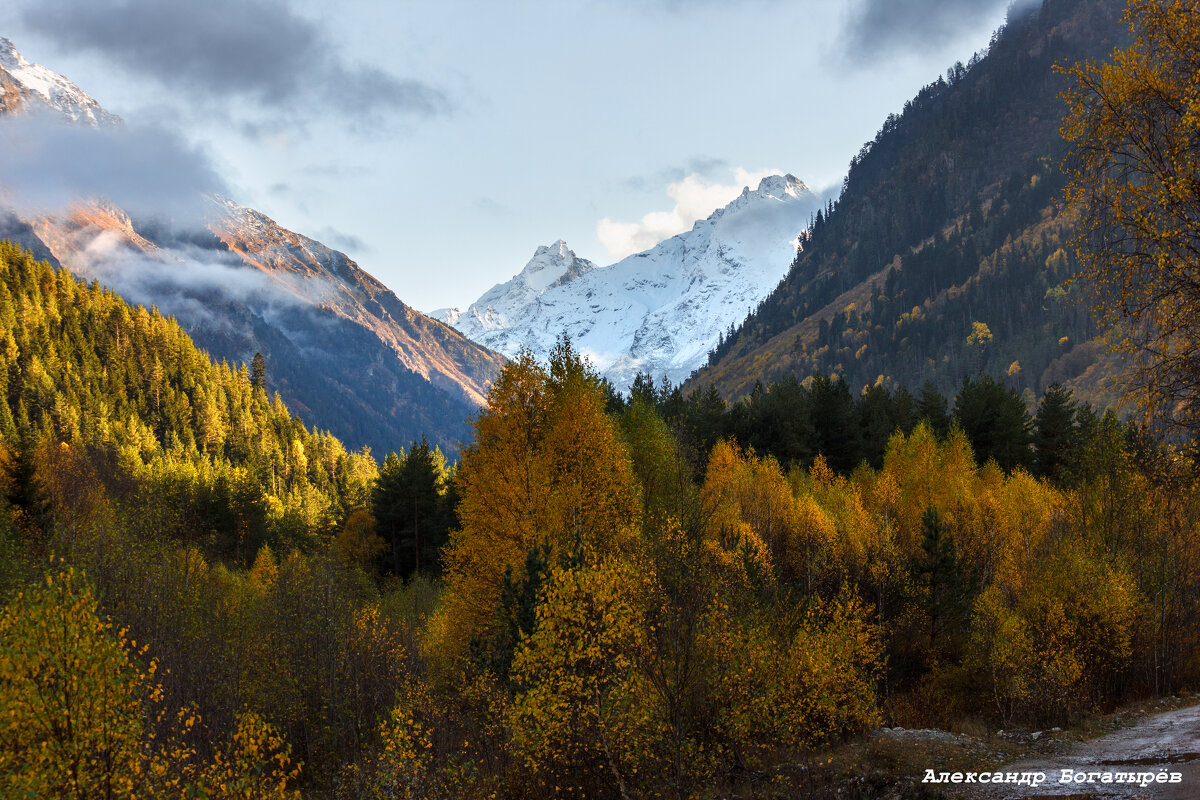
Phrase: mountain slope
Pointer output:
(659, 311)
(105, 394)
(945, 253)
(341, 348)
(22, 83)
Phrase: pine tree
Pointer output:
(1055, 436)
(835, 424)
(995, 421)
(933, 408)
(22, 489)
(258, 372)
(642, 389)
(940, 576)
(876, 423)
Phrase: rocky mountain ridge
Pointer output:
(342, 349)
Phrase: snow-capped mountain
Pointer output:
(24, 84)
(659, 311)
(344, 352)
(499, 315)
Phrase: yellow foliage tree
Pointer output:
(357, 544)
(78, 713)
(1049, 647)
(547, 466)
(584, 709)
(1133, 125)
(795, 688)
(750, 506)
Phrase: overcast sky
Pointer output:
(439, 142)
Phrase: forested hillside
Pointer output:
(665, 595)
(122, 397)
(622, 608)
(946, 252)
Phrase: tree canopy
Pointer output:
(1134, 127)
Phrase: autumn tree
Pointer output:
(547, 465)
(357, 544)
(582, 722)
(82, 713)
(1134, 128)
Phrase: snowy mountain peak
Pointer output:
(554, 265)
(558, 249)
(778, 187)
(8, 52)
(9, 57)
(771, 189)
(781, 186)
(658, 311)
(22, 82)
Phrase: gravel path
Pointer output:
(1167, 742)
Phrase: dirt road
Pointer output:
(1167, 742)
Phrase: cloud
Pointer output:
(492, 207)
(703, 166)
(255, 50)
(340, 240)
(695, 197)
(882, 27)
(191, 282)
(46, 164)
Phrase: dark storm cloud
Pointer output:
(257, 50)
(47, 163)
(880, 27)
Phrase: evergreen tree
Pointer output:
(705, 423)
(643, 389)
(388, 509)
(933, 408)
(517, 612)
(787, 420)
(258, 372)
(995, 421)
(904, 410)
(876, 423)
(410, 510)
(835, 424)
(941, 578)
(1055, 436)
(22, 490)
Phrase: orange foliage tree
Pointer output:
(547, 466)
